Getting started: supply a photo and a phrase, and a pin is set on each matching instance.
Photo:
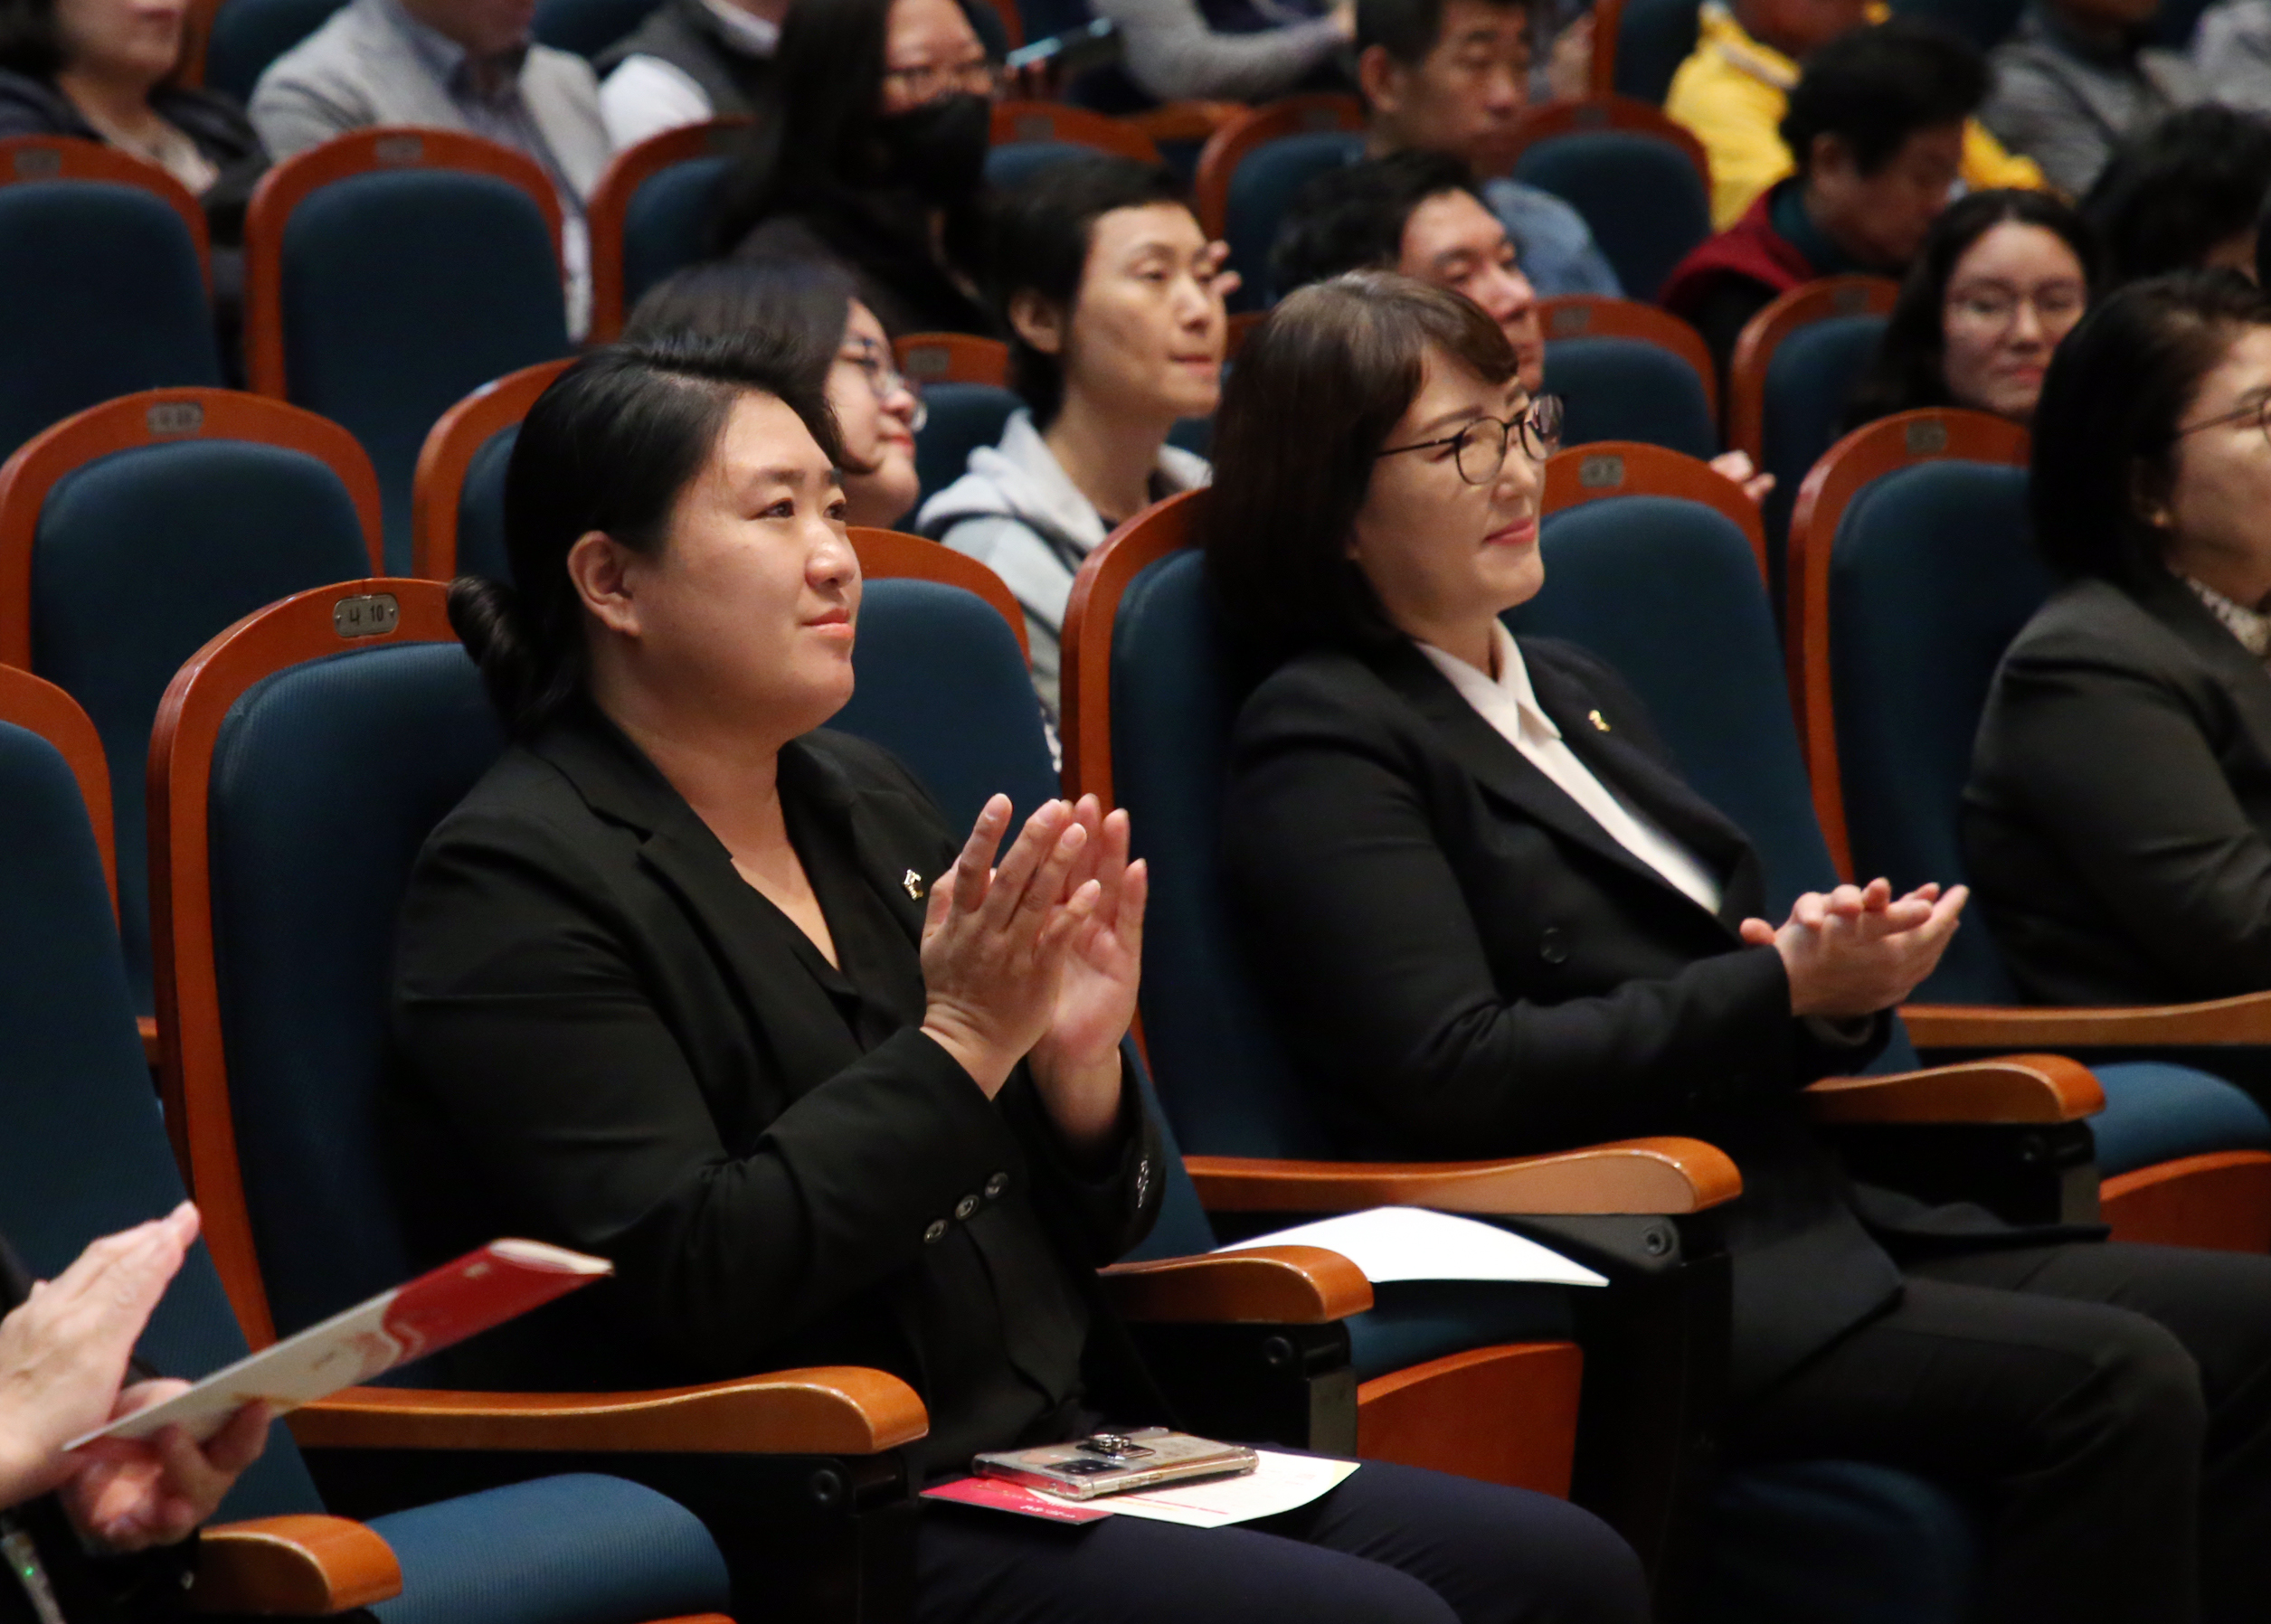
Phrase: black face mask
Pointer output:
(937, 150)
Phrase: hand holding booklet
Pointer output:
(501, 1282)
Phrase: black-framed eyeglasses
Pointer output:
(2260, 411)
(1480, 449)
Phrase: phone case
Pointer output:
(1113, 1463)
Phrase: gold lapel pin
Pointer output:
(913, 882)
(1595, 718)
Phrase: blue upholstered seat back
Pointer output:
(100, 295)
(964, 417)
(403, 291)
(249, 34)
(1668, 593)
(1266, 181)
(587, 27)
(481, 508)
(326, 778)
(1810, 384)
(1987, 23)
(1224, 1076)
(1643, 199)
(1931, 575)
(1630, 389)
(942, 686)
(666, 223)
(142, 556)
(82, 1148)
(1653, 37)
(1011, 164)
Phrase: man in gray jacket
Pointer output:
(2076, 80)
(467, 65)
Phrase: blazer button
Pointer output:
(1552, 945)
(995, 1185)
(935, 1233)
(966, 1206)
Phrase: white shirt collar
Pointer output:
(1509, 694)
(2251, 627)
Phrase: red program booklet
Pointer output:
(501, 1282)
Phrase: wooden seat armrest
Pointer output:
(303, 1566)
(834, 1409)
(1633, 1176)
(2009, 1088)
(1267, 1285)
(1185, 120)
(2245, 1019)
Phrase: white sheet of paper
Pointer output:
(1412, 1244)
(1277, 1483)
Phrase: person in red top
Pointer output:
(1876, 123)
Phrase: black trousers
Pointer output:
(1391, 1545)
(2109, 1406)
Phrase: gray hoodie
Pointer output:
(1017, 512)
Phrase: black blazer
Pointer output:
(1469, 966)
(607, 1040)
(2117, 824)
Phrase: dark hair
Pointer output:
(31, 40)
(1909, 370)
(1875, 87)
(1407, 29)
(1353, 218)
(2117, 391)
(819, 136)
(609, 447)
(2177, 189)
(1351, 354)
(1042, 228)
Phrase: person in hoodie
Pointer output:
(873, 156)
(1113, 298)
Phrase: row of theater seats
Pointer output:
(300, 756)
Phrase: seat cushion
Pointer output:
(1640, 195)
(481, 508)
(587, 27)
(2156, 1112)
(577, 1548)
(249, 34)
(666, 223)
(1836, 1541)
(1630, 389)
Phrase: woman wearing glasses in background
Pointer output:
(2118, 818)
(874, 156)
(1490, 919)
(2002, 280)
(808, 313)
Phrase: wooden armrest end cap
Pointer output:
(1265, 1285)
(1652, 1176)
(2009, 1088)
(303, 1566)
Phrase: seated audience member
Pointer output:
(1113, 298)
(108, 1526)
(1419, 212)
(1451, 76)
(2076, 79)
(2002, 280)
(103, 70)
(466, 65)
(1733, 92)
(873, 156)
(2183, 195)
(1878, 123)
(1231, 50)
(2118, 818)
(806, 314)
(1491, 919)
(2231, 54)
(690, 61)
(692, 982)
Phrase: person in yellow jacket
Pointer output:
(1733, 91)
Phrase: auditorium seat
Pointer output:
(928, 358)
(1912, 570)
(649, 215)
(458, 499)
(104, 285)
(390, 272)
(133, 531)
(1987, 23)
(247, 35)
(1640, 181)
(963, 418)
(84, 1154)
(1628, 389)
(1057, 123)
(1653, 38)
(1010, 164)
(1251, 169)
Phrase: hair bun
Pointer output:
(488, 618)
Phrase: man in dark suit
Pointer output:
(1492, 921)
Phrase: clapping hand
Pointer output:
(1859, 950)
(1076, 1063)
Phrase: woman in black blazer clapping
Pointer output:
(1492, 921)
(689, 983)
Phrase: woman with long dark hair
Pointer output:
(2002, 280)
(874, 156)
